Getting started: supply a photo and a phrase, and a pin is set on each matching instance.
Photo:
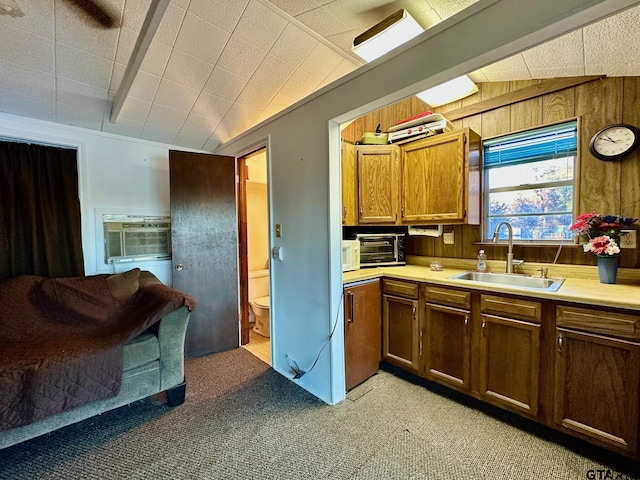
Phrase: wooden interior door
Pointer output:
(204, 247)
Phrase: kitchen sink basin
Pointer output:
(512, 279)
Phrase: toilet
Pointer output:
(260, 310)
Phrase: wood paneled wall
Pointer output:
(604, 187)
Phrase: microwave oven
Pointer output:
(377, 249)
(350, 255)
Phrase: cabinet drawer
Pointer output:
(400, 288)
(447, 296)
(598, 321)
(512, 308)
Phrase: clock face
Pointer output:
(614, 142)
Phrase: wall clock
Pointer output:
(614, 142)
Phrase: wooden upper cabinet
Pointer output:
(348, 156)
(377, 173)
(441, 179)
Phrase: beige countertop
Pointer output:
(581, 288)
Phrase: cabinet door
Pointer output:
(433, 179)
(509, 363)
(348, 156)
(400, 332)
(362, 332)
(377, 171)
(596, 388)
(447, 345)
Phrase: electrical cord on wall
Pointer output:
(298, 372)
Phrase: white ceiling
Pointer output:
(216, 67)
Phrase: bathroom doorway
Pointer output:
(254, 254)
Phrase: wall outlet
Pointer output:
(448, 238)
(628, 239)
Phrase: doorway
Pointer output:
(253, 217)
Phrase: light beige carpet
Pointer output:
(242, 420)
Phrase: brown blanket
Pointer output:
(61, 341)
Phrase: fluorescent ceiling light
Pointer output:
(383, 37)
(448, 92)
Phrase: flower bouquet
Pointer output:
(603, 239)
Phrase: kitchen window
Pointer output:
(530, 183)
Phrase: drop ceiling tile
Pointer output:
(129, 128)
(344, 41)
(211, 106)
(135, 12)
(26, 49)
(478, 76)
(299, 85)
(322, 22)
(260, 25)
(26, 106)
(343, 68)
(116, 76)
(277, 104)
(83, 67)
(226, 14)
(256, 95)
(79, 116)
(174, 95)
(81, 95)
(238, 119)
(449, 8)
(73, 29)
(170, 24)
(38, 18)
(155, 61)
(293, 45)
(161, 116)
(556, 72)
(201, 38)
(212, 144)
(126, 43)
(158, 134)
(563, 52)
(295, 7)
(240, 57)
(26, 81)
(321, 60)
(145, 86)
(189, 140)
(609, 51)
(512, 68)
(187, 70)
(364, 14)
(272, 72)
(225, 84)
(198, 125)
(135, 109)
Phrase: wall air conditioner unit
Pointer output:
(136, 239)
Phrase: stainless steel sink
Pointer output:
(512, 279)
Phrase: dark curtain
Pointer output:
(39, 211)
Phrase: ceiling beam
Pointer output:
(542, 88)
(148, 31)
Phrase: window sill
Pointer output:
(529, 244)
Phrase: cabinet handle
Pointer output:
(420, 343)
(484, 325)
(350, 294)
(360, 211)
(560, 340)
(466, 321)
(344, 212)
(402, 211)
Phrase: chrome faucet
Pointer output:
(510, 240)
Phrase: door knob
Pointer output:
(179, 267)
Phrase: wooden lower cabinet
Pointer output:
(509, 363)
(597, 388)
(400, 335)
(509, 367)
(446, 337)
(362, 332)
(516, 353)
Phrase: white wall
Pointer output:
(117, 175)
(304, 154)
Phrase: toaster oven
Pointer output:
(378, 249)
